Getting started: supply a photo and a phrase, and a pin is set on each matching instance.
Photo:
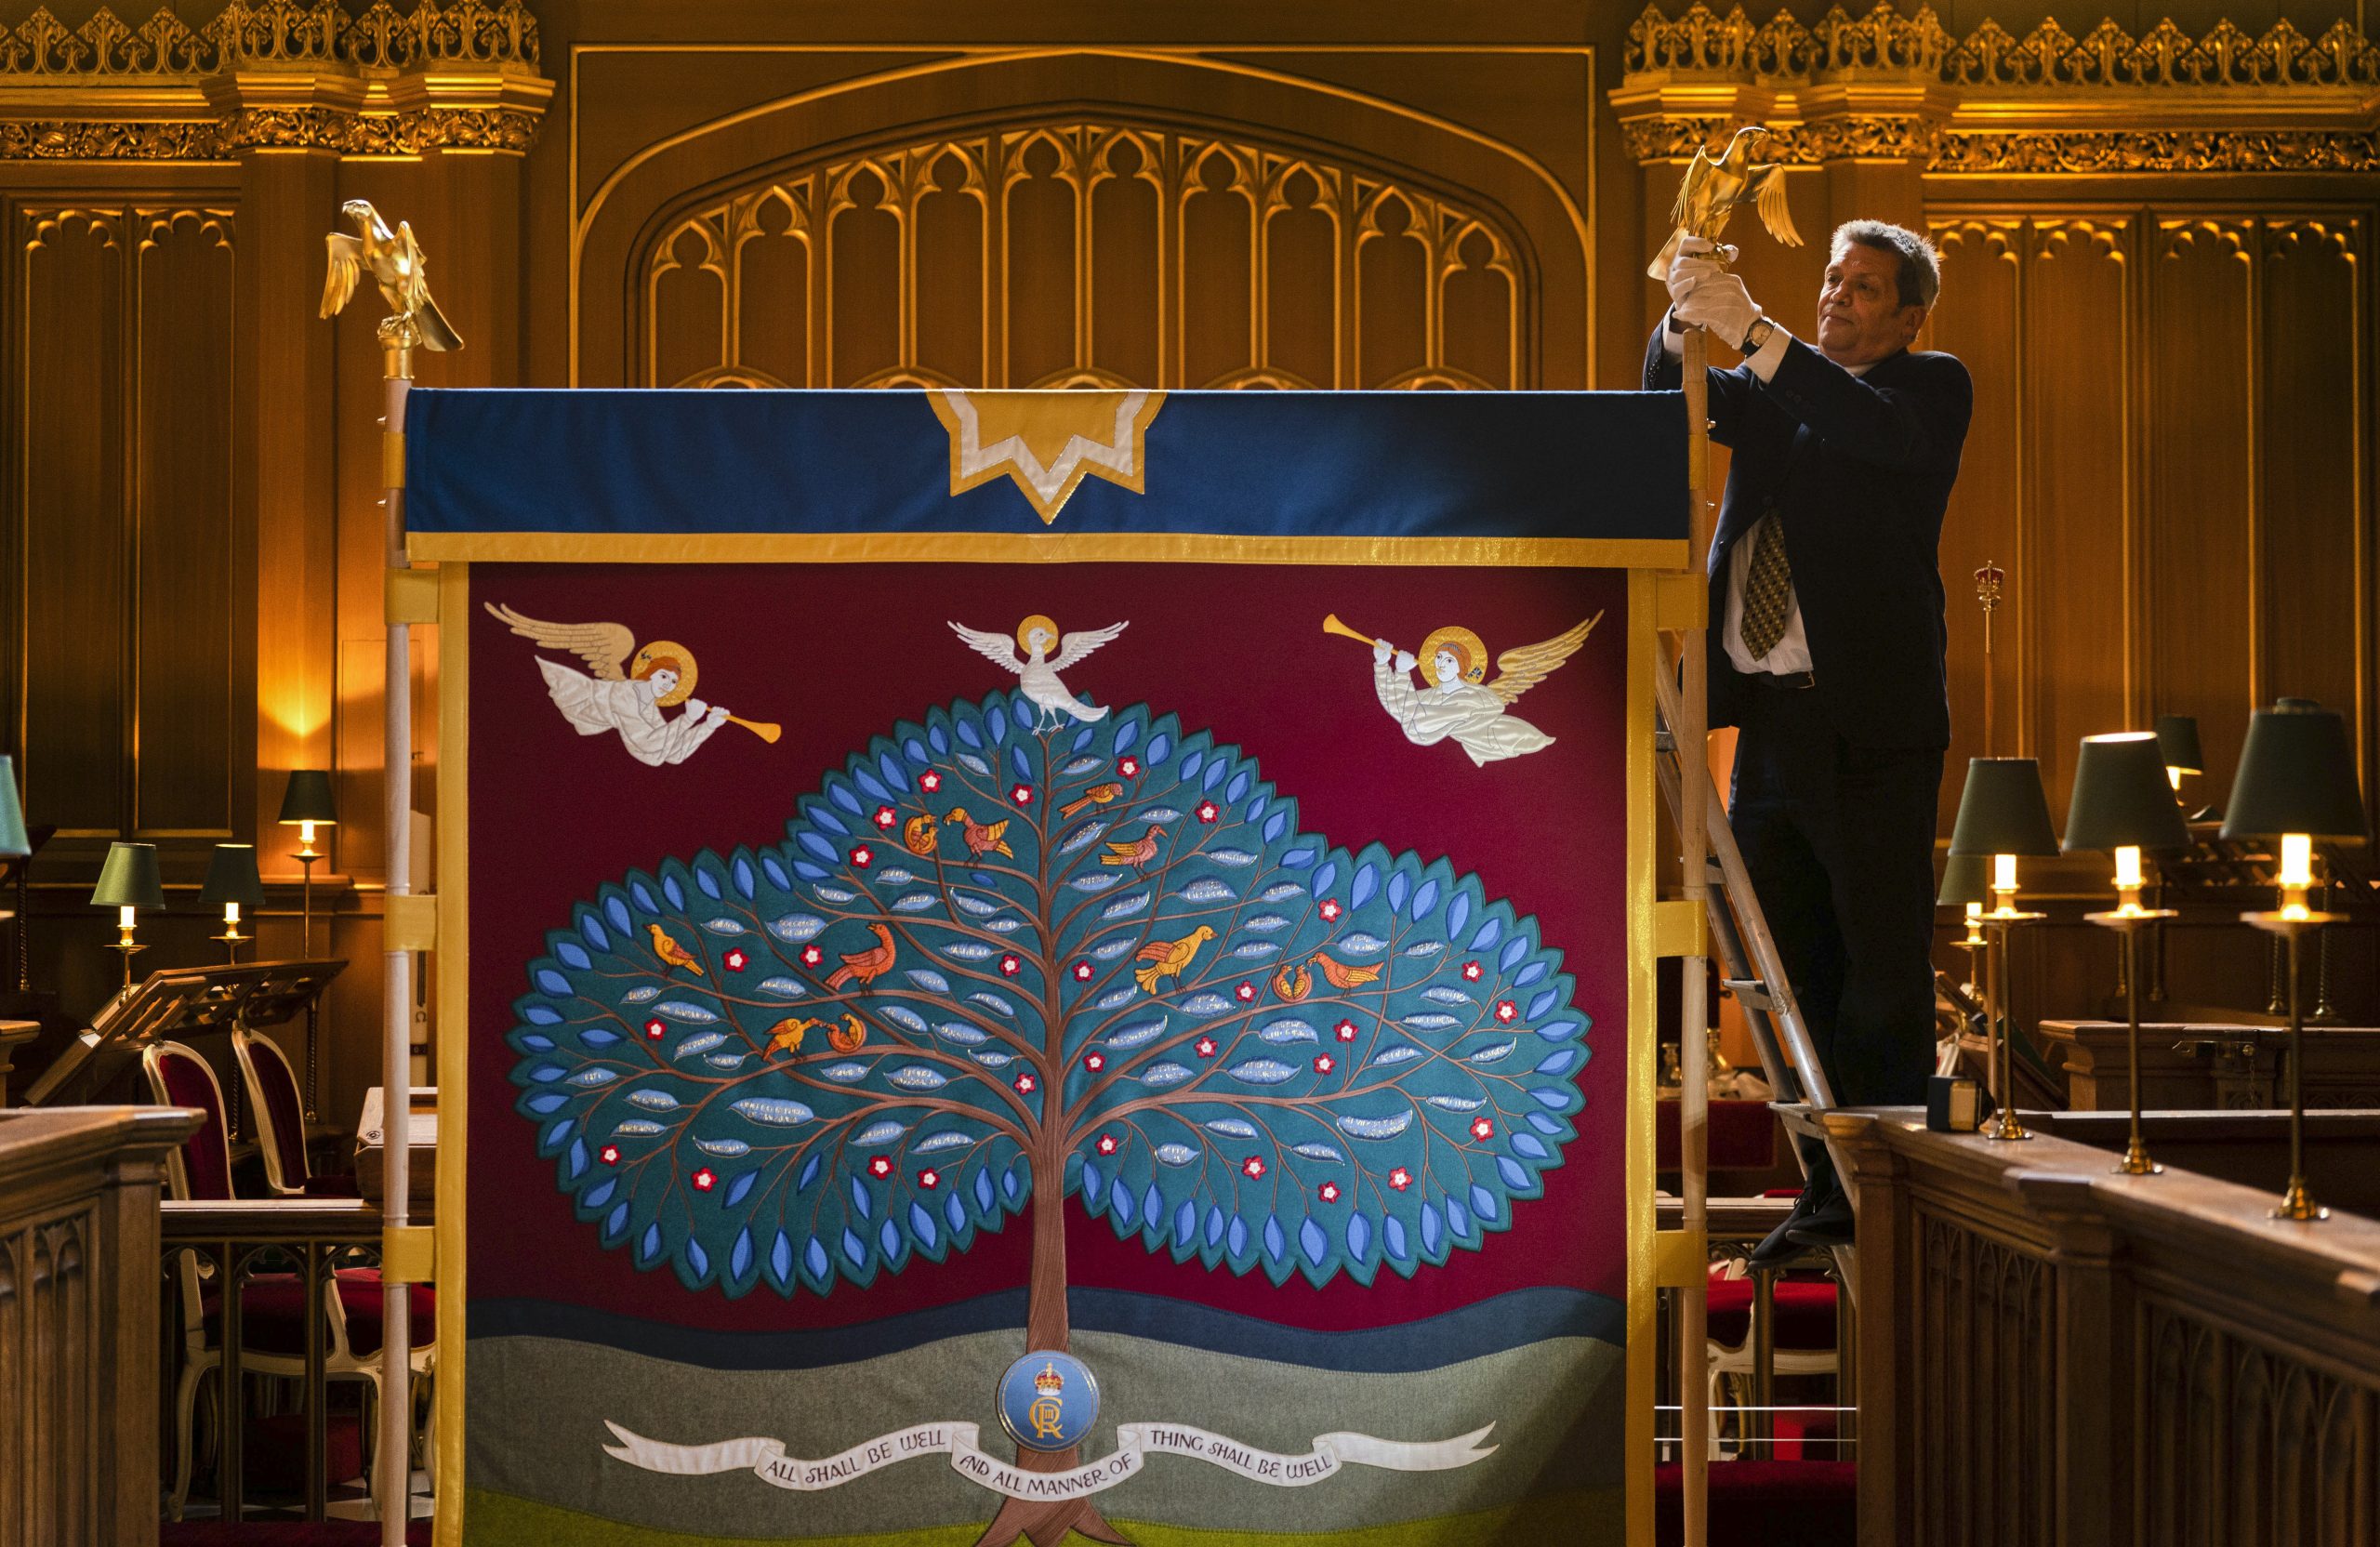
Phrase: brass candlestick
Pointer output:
(2001, 920)
(2128, 919)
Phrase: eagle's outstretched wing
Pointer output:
(606, 647)
(346, 267)
(1074, 647)
(1768, 194)
(1519, 671)
(998, 649)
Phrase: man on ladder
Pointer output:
(1827, 594)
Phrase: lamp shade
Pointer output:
(14, 844)
(129, 878)
(2122, 797)
(2003, 809)
(2296, 775)
(1966, 878)
(307, 798)
(2177, 743)
(231, 877)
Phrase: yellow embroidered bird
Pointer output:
(785, 1036)
(921, 834)
(1097, 795)
(1169, 958)
(393, 260)
(669, 950)
(847, 1037)
(1135, 853)
(1341, 976)
(1711, 190)
(982, 837)
(1294, 983)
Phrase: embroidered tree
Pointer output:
(994, 964)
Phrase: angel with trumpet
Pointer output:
(1457, 699)
(626, 687)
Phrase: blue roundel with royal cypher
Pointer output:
(1048, 1401)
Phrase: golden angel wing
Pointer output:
(1074, 647)
(998, 649)
(606, 647)
(1519, 671)
(346, 267)
(1768, 194)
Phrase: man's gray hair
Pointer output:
(1920, 272)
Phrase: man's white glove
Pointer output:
(1720, 302)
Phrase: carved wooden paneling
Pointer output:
(137, 644)
(1987, 1388)
(1069, 253)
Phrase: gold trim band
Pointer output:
(1029, 547)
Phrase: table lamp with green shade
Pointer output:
(232, 884)
(306, 804)
(2123, 804)
(2296, 784)
(2004, 816)
(128, 883)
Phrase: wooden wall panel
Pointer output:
(869, 317)
(1218, 269)
(953, 269)
(1127, 260)
(1042, 217)
(1392, 293)
(2202, 445)
(1300, 275)
(772, 266)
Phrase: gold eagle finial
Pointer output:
(394, 261)
(1713, 188)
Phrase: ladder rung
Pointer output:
(1750, 993)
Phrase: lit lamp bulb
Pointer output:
(2296, 873)
(306, 837)
(1975, 940)
(124, 921)
(2128, 881)
(2173, 776)
(2003, 883)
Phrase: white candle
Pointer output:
(2003, 872)
(2128, 867)
(2296, 859)
(231, 915)
(305, 834)
(124, 919)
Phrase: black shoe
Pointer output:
(1830, 1224)
(1778, 1247)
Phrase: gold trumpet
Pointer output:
(766, 731)
(1331, 625)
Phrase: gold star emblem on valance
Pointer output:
(1047, 442)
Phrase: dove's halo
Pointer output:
(1024, 635)
(655, 654)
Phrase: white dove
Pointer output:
(1036, 668)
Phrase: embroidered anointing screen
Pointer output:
(1044, 960)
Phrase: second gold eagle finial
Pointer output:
(393, 260)
(1714, 189)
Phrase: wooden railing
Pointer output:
(2054, 1354)
(78, 1322)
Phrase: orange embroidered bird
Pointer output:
(785, 1036)
(1294, 983)
(982, 838)
(1344, 976)
(921, 834)
(1133, 855)
(865, 967)
(847, 1037)
(672, 952)
(1097, 795)
(1170, 957)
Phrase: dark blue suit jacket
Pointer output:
(1859, 468)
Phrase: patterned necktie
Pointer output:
(1768, 591)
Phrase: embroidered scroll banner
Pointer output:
(949, 880)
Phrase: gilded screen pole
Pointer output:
(394, 263)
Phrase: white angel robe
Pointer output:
(1475, 717)
(627, 707)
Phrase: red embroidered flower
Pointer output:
(1254, 1167)
(1471, 971)
(811, 956)
(879, 1167)
(886, 816)
(929, 781)
(1346, 1030)
(1483, 1128)
(1094, 1061)
(1129, 767)
(1209, 810)
(611, 1153)
(1327, 1192)
(1082, 972)
(1024, 1084)
(1245, 992)
(653, 1029)
(1331, 910)
(734, 960)
(1011, 966)
(1022, 795)
(862, 856)
(1324, 1063)
(1206, 1047)
(928, 1179)
(1400, 1179)
(1506, 1010)
(1107, 1143)
(704, 1180)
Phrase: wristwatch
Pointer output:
(1756, 337)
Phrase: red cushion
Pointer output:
(275, 1451)
(206, 1156)
(280, 1093)
(1741, 1136)
(272, 1320)
(1801, 1313)
(360, 1291)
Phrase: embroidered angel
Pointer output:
(629, 687)
(1037, 672)
(1456, 702)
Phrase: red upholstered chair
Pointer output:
(279, 1113)
(1802, 1323)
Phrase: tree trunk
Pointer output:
(1046, 1330)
